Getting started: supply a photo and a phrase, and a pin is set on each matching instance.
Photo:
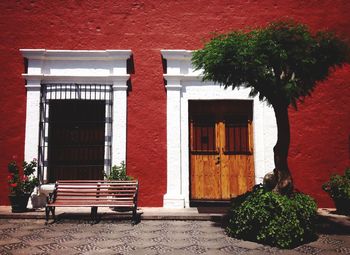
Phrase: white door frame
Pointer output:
(184, 84)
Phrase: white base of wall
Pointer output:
(173, 201)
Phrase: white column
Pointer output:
(119, 122)
(31, 145)
(32, 120)
(174, 198)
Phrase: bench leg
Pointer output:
(53, 209)
(134, 216)
(49, 209)
(93, 215)
(47, 214)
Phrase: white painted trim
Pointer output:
(32, 122)
(119, 123)
(76, 66)
(184, 83)
(43, 54)
(101, 79)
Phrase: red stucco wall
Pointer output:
(320, 129)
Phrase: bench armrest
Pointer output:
(135, 194)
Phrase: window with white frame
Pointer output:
(76, 111)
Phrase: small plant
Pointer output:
(270, 218)
(338, 188)
(118, 173)
(22, 183)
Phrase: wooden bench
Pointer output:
(94, 194)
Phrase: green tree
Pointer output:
(281, 64)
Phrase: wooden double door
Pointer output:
(221, 149)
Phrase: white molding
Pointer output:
(186, 83)
(173, 87)
(32, 121)
(43, 54)
(119, 122)
(176, 54)
(76, 66)
(173, 197)
(183, 77)
(101, 79)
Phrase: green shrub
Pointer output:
(118, 173)
(339, 190)
(270, 218)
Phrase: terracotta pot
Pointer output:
(19, 202)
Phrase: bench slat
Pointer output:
(95, 199)
(92, 189)
(92, 204)
(101, 194)
(95, 181)
(98, 186)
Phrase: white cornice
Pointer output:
(43, 54)
(179, 65)
(183, 77)
(44, 78)
(177, 54)
(173, 87)
(117, 87)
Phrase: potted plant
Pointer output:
(118, 173)
(21, 184)
(338, 187)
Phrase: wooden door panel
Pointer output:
(206, 177)
(224, 167)
(240, 167)
(211, 179)
(205, 172)
(229, 171)
(251, 173)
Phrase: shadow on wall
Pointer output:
(130, 69)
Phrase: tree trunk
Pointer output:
(281, 172)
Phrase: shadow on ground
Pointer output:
(329, 226)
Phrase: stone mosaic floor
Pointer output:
(18, 236)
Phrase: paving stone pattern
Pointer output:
(148, 237)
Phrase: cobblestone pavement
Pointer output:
(148, 237)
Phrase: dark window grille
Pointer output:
(237, 136)
(203, 137)
(51, 93)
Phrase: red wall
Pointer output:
(320, 129)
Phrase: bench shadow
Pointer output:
(86, 218)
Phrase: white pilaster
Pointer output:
(173, 198)
(119, 122)
(32, 120)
